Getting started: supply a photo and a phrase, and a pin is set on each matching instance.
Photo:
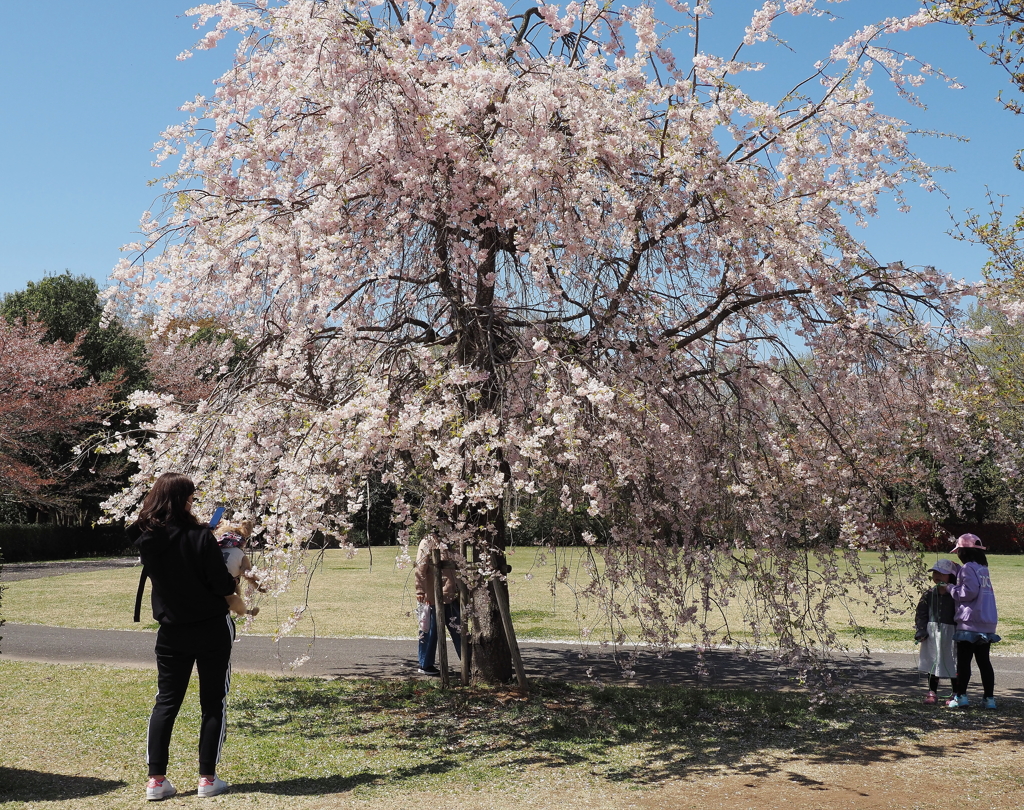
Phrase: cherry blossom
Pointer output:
(46, 405)
(480, 253)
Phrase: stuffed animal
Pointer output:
(233, 542)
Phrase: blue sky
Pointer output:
(87, 88)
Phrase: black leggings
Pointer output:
(965, 650)
(933, 683)
(207, 645)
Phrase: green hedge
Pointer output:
(46, 541)
(999, 538)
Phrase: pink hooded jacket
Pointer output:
(975, 599)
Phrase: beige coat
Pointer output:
(425, 576)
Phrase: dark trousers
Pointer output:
(965, 650)
(933, 684)
(428, 641)
(207, 646)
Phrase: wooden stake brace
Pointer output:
(500, 589)
(464, 618)
(442, 639)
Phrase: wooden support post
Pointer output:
(442, 638)
(466, 635)
(500, 588)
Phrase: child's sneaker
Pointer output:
(958, 702)
(988, 703)
(211, 787)
(931, 699)
(157, 789)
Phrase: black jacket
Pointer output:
(187, 570)
(933, 607)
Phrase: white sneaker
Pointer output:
(214, 788)
(155, 791)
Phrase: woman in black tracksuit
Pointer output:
(190, 580)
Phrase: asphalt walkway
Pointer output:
(893, 673)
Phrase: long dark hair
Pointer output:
(974, 555)
(167, 503)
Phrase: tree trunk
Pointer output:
(492, 657)
(489, 650)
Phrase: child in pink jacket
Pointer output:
(976, 618)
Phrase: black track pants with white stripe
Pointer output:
(207, 646)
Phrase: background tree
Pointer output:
(186, 363)
(479, 253)
(996, 344)
(997, 26)
(70, 308)
(44, 406)
(109, 353)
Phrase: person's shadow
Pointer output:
(324, 785)
(19, 785)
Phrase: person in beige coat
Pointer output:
(426, 610)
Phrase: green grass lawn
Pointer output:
(349, 597)
(74, 737)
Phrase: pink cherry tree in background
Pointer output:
(483, 253)
(47, 404)
(186, 370)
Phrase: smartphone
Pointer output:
(218, 513)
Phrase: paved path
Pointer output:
(894, 673)
(12, 572)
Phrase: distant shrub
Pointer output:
(999, 538)
(47, 541)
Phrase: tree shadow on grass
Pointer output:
(635, 735)
(327, 785)
(18, 785)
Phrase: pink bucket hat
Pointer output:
(968, 541)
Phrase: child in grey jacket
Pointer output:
(934, 628)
